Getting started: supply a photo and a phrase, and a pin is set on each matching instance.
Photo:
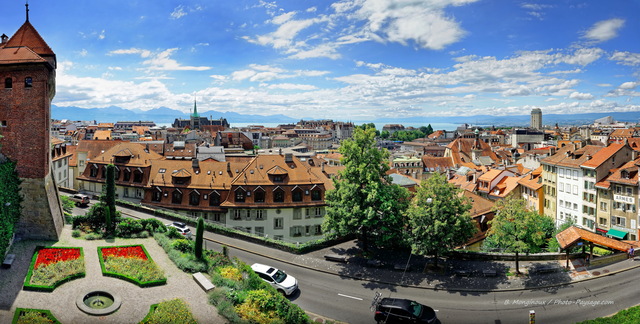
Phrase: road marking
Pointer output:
(349, 296)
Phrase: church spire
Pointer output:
(195, 109)
(27, 6)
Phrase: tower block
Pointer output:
(27, 86)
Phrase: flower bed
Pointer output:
(169, 311)
(33, 316)
(53, 266)
(131, 263)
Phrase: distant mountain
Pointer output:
(162, 115)
(520, 120)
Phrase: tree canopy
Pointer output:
(517, 230)
(439, 218)
(364, 202)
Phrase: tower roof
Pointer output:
(29, 37)
(195, 110)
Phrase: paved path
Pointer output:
(136, 300)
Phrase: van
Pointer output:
(80, 199)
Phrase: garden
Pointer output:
(51, 267)
(131, 263)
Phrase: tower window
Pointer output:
(28, 82)
(8, 83)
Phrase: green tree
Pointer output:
(199, 238)
(554, 245)
(385, 134)
(517, 230)
(439, 218)
(364, 201)
(110, 198)
(67, 204)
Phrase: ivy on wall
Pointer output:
(10, 204)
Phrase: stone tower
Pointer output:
(27, 86)
(536, 118)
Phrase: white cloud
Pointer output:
(102, 34)
(580, 96)
(626, 58)
(535, 10)
(178, 12)
(83, 52)
(291, 86)
(604, 30)
(629, 85)
(161, 61)
(141, 52)
(519, 91)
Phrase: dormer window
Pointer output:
(278, 195)
(28, 82)
(8, 83)
(240, 195)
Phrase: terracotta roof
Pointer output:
(28, 36)
(479, 204)
(573, 234)
(276, 170)
(73, 159)
(102, 135)
(211, 174)
(626, 174)
(12, 55)
(489, 176)
(622, 132)
(603, 155)
(436, 163)
(568, 157)
(139, 157)
(532, 180)
(96, 148)
(461, 148)
(634, 143)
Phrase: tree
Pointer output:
(110, 198)
(385, 134)
(516, 229)
(439, 218)
(429, 130)
(364, 202)
(554, 245)
(199, 238)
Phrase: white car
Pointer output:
(284, 283)
(182, 228)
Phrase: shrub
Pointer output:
(128, 227)
(230, 272)
(67, 204)
(153, 225)
(76, 233)
(169, 311)
(173, 233)
(93, 236)
(182, 245)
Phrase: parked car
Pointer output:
(278, 279)
(397, 310)
(182, 228)
(80, 199)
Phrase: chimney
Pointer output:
(228, 167)
(322, 166)
(195, 164)
(4, 39)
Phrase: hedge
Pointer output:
(10, 204)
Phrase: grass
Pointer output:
(33, 316)
(627, 316)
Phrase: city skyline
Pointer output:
(346, 60)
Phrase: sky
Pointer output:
(342, 60)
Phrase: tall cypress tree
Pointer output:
(110, 197)
(199, 238)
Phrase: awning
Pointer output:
(616, 233)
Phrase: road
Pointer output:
(348, 300)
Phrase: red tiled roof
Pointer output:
(28, 36)
(573, 234)
(13, 55)
(602, 155)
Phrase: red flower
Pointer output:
(54, 255)
(124, 252)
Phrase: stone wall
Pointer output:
(42, 216)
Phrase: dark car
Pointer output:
(396, 310)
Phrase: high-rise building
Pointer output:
(28, 75)
(536, 118)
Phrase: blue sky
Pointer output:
(343, 60)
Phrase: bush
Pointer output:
(67, 204)
(76, 233)
(93, 236)
(182, 245)
(128, 227)
(173, 233)
(170, 311)
(153, 225)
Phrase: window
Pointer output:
(603, 221)
(297, 195)
(137, 176)
(126, 192)
(94, 171)
(156, 196)
(194, 198)
(240, 195)
(260, 214)
(258, 195)
(620, 221)
(629, 191)
(126, 175)
(561, 174)
(603, 206)
(8, 83)
(575, 189)
(237, 214)
(277, 223)
(28, 82)
(297, 213)
(296, 231)
(316, 195)
(278, 195)
(214, 199)
(561, 187)
(575, 206)
(317, 230)
(176, 197)
(575, 174)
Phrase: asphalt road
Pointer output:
(348, 300)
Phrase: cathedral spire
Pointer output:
(195, 109)
(27, 6)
